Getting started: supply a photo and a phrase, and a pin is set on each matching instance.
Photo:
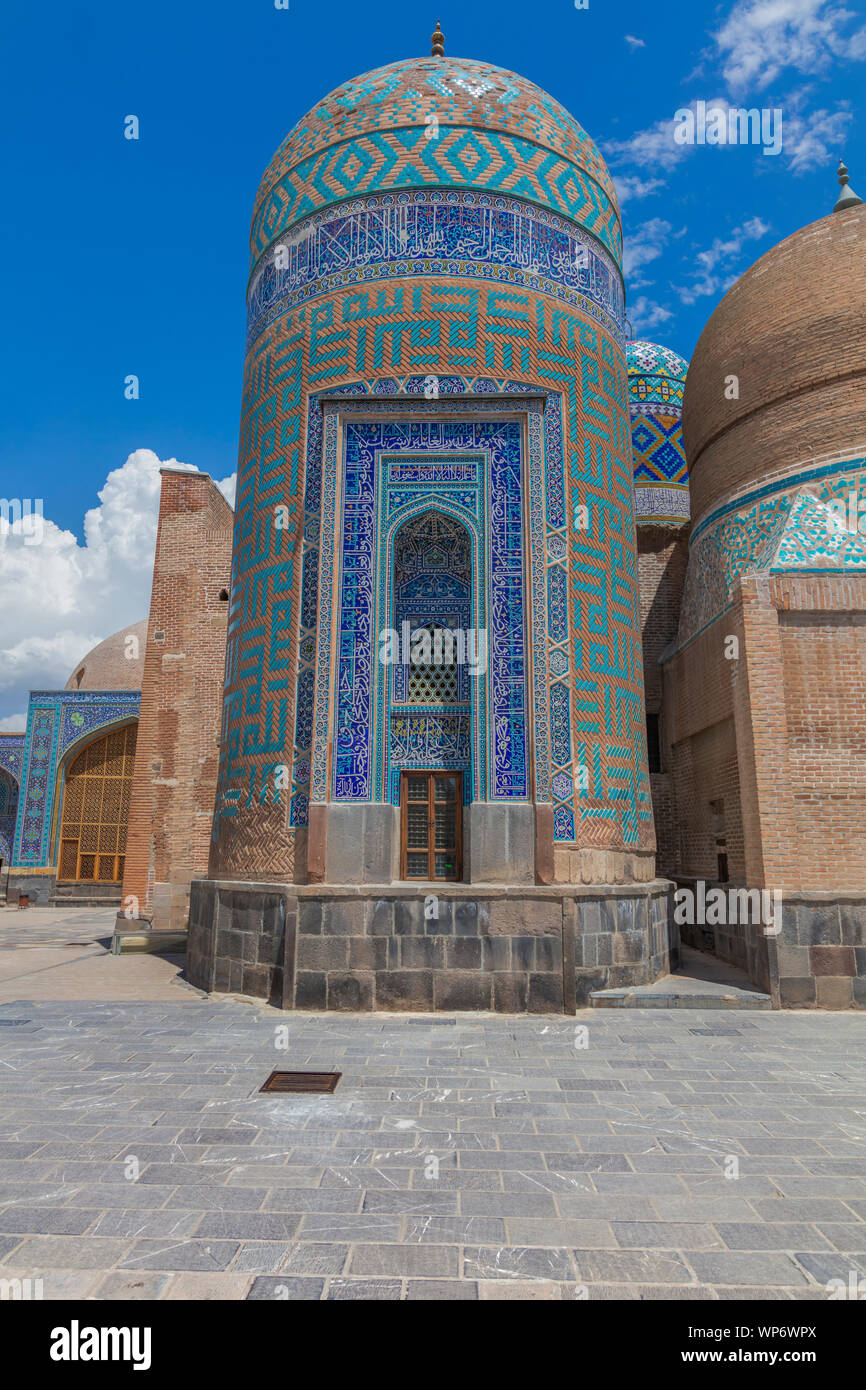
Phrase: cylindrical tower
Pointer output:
(435, 332)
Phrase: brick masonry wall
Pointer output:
(662, 556)
(178, 735)
(700, 754)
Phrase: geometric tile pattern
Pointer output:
(57, 721)
(11, 753)
(362, 686)
(656, 379)
(437, 233)
(785, 526)
(8, 813)
(445, 329)
(452, 123)
(449, 246)
(458, 91)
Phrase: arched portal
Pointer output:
(96, 809)
(431, 691)
(8, 813)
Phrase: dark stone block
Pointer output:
(545, 993)
(608, 915)
(352, 992)
(548, 953)
(604, 948)
(382, 920)
(860, 959)
(852, 917)
(395, 945)
(625, 914)
(311, 989)
(466, 919)
(818, 924)
(510, 992)
(257, 981)
(462, 989)
(368, 953)
(443, 924)
(409, 917)
(859, 992)
(344, 917)
(628, 947)
(834, 991)
(463, 953)
(587, 917)
(797, 991)
(323, 953)
(230, 944)
(422, 952)
(832, 960)
(309, 918)
(496, 954)
(405, 989)
(522, 953)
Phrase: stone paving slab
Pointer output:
(472, 1157)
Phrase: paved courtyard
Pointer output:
(619, 1154)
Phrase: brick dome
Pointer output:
(442, 122)
(792, 330)
(108, 667)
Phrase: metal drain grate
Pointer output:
(322, 1082)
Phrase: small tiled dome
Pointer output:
(656, 382)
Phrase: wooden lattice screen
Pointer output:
(96, 809)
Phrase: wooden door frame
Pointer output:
(430, 774)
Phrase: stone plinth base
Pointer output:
(511, 949)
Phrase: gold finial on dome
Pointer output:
(438, 42)
(847, 198)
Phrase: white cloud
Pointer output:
(634, 43)
(13, 724)
(633, 186)
(653, 149)
(644, 246)
(644, 315)
(761, 38)
(61, 598)
(714, 274)
(815, 140)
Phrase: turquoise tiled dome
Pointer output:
(656, 381)
(443, 122)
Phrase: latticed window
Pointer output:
(96, 809)
(435, 682)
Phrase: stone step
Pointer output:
(75, 901)
(653, 997)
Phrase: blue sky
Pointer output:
(131, 256)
